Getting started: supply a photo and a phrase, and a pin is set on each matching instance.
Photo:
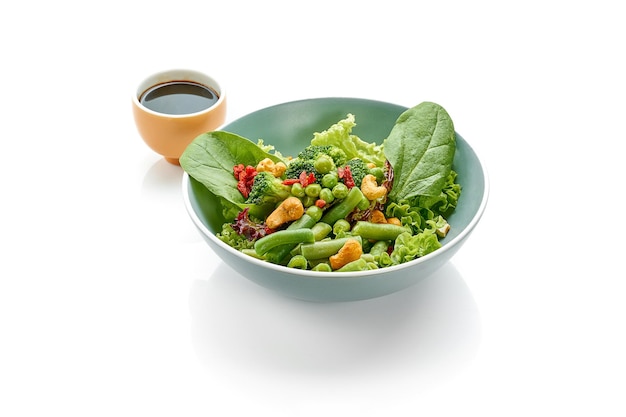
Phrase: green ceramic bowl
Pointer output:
(289, 127)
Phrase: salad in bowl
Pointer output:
(333, 204)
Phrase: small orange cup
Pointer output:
(169, 134)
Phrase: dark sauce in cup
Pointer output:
(178, 97)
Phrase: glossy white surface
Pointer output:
(111, 303)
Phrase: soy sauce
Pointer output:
(178, 97)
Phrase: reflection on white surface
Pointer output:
(162, 177)
(426, 332)
(161, 190)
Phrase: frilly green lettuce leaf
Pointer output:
(234, 239)
(340, 135)
(446, 200)
(384, 260)
(409, 216)
(408, 247)
(269, 148)
(436, 223)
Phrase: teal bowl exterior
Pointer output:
(289, 127)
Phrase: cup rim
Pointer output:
(177, 74)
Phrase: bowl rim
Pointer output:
(308, 274)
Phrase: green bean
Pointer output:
(323, 267)
(377, 231)
(277, 254)
(295, 251)
(358, 265)
(314, 262)
(324, 248)
(251, 252)
(364, 204)
(341, 226)
(306, 221)
(368, 257)
(321, 230)
(379, 247)
(298, 262)
(367, 245)
(344, 207)
(283, 237)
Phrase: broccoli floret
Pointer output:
(338, 155)
(267, 189)
(316, 160)
(358, 169)
(297, 165)
(312, 152)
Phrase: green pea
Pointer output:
(297, 190)
(330, 180)
(313, 190)
(324, 164)
(378, 173)
(340, 191)
(327, 195)
(308, 201)
(315, 212)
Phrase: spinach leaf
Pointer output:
(210, 159)
(420, 148)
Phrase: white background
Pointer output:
(112, 305)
